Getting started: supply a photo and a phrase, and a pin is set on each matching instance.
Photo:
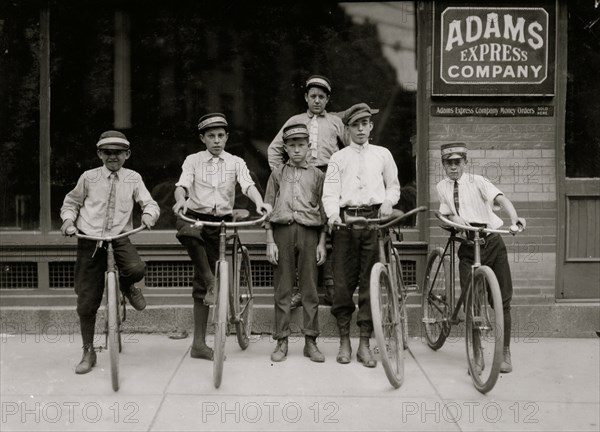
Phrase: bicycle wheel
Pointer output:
(386, 324)
(396, 266)
(221, 321)
(436, 294)
(241, 298)
(484, 329)
(113, 329)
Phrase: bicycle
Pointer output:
(482, 302)
(116, 312)
(234, 303)
(388, 293)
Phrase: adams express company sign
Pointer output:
(494, 50)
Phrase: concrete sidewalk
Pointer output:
(555, 386)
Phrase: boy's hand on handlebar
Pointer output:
(519, 225)
(335, 219)
(147, 221)
(180, 206)
(386, 209)
(264, 208)
(68, 228)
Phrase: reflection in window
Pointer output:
(19, 118)
(582, 141)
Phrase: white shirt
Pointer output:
(351, 182)
(210, 181)
(476, 196)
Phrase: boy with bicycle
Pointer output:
(101, 204)
(296, 240)
(206, 191)
(470, 199)
(361, 180)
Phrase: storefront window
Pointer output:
(582, 141)
(152, 69)
(19, 117)
(81, 68)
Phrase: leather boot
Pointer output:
(364, 354)
(311, 350)
(199, 348)
(87, 361)
(506, 365)
(345, 352)
(281, 350)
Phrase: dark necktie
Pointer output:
(456, 204)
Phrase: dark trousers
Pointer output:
(89, 272)
(297, 246)
(354, 254)
(493, 255)
(202, 246)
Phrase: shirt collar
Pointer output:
(311, 115)
(459, 180)
(207, 156)
(303, 166)
(358, 147)
(106, 172)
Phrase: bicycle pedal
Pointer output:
(411, 288)
(429, 320)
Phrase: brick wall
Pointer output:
(518, 155)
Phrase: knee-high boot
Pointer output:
(199, 347)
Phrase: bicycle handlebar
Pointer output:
(198, 223)
(380, 223)
(73, 231)
(512, 230)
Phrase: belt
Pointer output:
(366, 208)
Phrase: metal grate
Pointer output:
(61, 274)
(409, 271)
(262, 273)
(18, 275)
(169, 274)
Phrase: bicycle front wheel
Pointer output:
(241, 297)
(113, 328)
(484, 327)
(386, 324)
(221, 321)
(436, 295)
(402, 295)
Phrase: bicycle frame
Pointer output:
(226, 293)
(114, 299)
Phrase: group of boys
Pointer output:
(323, 169)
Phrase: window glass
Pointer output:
(19, 117)
(81, 67)
(582, 140)
(177, 61)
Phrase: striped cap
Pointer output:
(454, 150)
(212, 120)
(318, 81)
(112, 139)
(295, 131)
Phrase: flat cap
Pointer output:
(454, 150)
(318, 81)
(295, 131)
(357, 112)
(212, 120)
(113, 139)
